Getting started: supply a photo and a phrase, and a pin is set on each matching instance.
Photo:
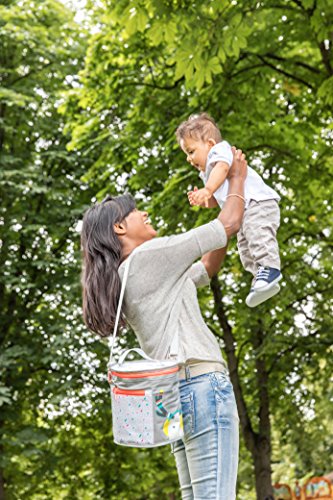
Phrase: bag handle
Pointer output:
(138, 351)
(173, 349)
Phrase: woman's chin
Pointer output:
(153, 232)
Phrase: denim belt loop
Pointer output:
(187, 373)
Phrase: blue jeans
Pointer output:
(207, 457)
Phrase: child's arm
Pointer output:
(216, 178)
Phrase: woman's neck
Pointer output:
(128, 247)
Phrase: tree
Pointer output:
(264, 71)
(39, 290)
(55, 420)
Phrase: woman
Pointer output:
(160, 299)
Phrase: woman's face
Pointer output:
(138, 227)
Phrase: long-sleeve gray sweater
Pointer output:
(161, 297)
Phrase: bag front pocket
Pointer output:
(168, 415)
(132, 416)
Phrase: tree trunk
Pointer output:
(262, 455)
(2, 482)
(262, 468)
(2, 486)
(258, 443)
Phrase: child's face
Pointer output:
(196, 151)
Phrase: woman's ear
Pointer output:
(119, 228)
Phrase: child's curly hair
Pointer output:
(201, 126)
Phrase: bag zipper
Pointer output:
(159, 373)
(125, 392)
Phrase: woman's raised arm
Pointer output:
(232, 213)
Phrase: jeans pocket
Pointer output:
(224, 389)
(187, 402)
(225, 399)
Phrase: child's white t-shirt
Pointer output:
(255, 187)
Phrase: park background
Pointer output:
(90, 97)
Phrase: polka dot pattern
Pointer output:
(133, 418)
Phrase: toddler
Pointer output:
(201, 141)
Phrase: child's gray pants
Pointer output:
(256, 239)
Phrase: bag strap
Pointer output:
(173, 349)
(122, 291)
(138, 351)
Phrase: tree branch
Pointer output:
(272, 148)
(326, 57)
(285, 73)
(297, 63)
(32, 72)
(154, 86)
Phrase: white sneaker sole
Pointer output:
(268, 286)
(255, 298)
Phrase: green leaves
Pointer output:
(39, 181)
(137, 20)
(325, 91)
(5, 395)
(260, 73)
(12, 98)
(263, 72)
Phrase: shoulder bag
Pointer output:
(145, 398)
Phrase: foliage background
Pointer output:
(91, 108)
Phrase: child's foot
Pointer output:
(256, 298)
(265, 285)
(266, 277)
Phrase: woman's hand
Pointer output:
(238, 168)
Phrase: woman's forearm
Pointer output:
(213, 261)
(232, 213)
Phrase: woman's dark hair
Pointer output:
(101, 252)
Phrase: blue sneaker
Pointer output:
(265, 285)
(266, 278)
(256, 298)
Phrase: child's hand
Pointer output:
(191, 198)
(201, 197)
